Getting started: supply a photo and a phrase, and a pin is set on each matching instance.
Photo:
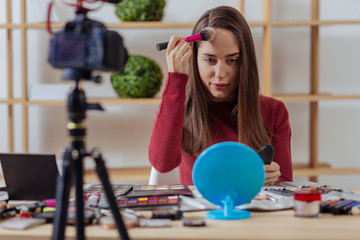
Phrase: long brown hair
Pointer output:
(251, 128)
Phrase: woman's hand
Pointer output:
(178, 54)
(272, 173)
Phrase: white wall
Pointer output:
(123, 131)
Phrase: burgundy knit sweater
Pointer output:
(165, 149)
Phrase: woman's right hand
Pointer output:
(178, 54)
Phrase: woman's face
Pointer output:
(218, 63)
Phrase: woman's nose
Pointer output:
(220, 70)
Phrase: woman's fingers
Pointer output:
(173, 43)
(272, 173)
(178, 54)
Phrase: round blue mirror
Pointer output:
(228, 174)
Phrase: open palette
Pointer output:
(159, 190)
(148, 202)
(153, 196)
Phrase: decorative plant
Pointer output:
(140, 10)
(141, 78)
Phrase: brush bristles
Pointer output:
(207, 34)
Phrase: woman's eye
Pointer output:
(211, 60)
(232, 60)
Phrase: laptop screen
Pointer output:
(29, 176)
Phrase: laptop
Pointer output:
(29, 176)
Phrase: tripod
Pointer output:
(73, 164)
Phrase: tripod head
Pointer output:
(77, 104)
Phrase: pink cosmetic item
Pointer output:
(207, 34)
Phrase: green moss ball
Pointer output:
(140, 10)
(141, 78)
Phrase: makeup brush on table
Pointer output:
(207, 34)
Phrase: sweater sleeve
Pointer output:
(166, 140)
(281, 144)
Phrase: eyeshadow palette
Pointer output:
(118, 189)
(159, 190)
(148, 202)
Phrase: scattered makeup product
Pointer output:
(194, 222)
(355, 210)
(281, 191)
(322, 189)
(341, 208)
(22, 223)
(49, 209)
(207, 34)
(307, 203)
(88, 217)
(24, 215)
(92, 200)
(347, 210)
(3, 204)
(155, 223)
(164, 213)
(107, 222)
(134, 213)
(7, 212)
(48, 216)
(325, 206)
(41, 204)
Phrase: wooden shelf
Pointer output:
(111, 101)
(312, 23)
(314, 97)
(139, 101)
(155, 24)
(305, 170)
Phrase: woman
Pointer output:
(216, 98)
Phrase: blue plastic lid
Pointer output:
(228, 171)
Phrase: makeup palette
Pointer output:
(118, 190)
(148, 202)
(290, 191)
(142, 196)
(159, 190)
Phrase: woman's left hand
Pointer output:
(272, 173)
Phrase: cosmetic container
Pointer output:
(307, 203)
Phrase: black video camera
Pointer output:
(85, 45)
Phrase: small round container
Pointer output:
(307, 203)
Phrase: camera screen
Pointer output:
(70, 49)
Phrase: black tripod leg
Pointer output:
(62, 197)
(79, 200)
(104, 177)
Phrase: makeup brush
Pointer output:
(207, 34)
(266, 153)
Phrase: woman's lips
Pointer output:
(220, 85)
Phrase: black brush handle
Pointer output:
(266, 153)
(161, 46)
